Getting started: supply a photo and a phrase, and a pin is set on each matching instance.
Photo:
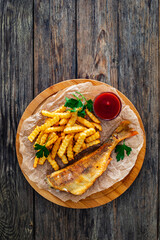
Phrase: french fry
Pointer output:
(47, 119)
(72, 120)
(42, 160)
(89, 131)
(51, 141)
(63, 135)
(64, 115)
(70, 154)
(60, 109)
(74, 129)
(38, 140)
(93, 137)
(95, 142)
(48, 114)
(83, 146)
(85, 122)
(49, 123)
(64, 159)
(92, 116)
(79, 142)
(44, 138)
(64, 145)
(35, 162)
(98, 126)
(54, 129)
(52, 162)
(51, 114)
(76, 136)
(55, 148)
(51, 135)
(63, 121)
(34, 133)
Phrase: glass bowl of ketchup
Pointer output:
(107, 105)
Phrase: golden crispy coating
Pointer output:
(74, 129)
(89, 131)
(49, 123)
(63, 121)
(54, 129)
(55, 148)
(53, 114)
(60, 109)
(76, 136)
(38, 140)
(51, 135)
(95, 142)
(47, 119)
(63, 135)
(85, 122)
(44, 138)
(83, 146)
(34, 134)
(64, 115)
(98, 126)
(35, 162)
(93, 137)
(70, 150)
(64, 145)
(92, 116)
(72, 120)
(52, 162)
(48, 114)
(64, 159)
(42, 160)
(51, 141)
(79, 142)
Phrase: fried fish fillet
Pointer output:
(81, 175)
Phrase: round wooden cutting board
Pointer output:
(99, 198)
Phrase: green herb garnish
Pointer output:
(120, 151)
(79, 103)
(43, 151)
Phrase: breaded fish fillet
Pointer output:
(81, 175)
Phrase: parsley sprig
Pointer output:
(80, 103)
(43, 151)
(120, 150)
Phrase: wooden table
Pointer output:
(45, 42)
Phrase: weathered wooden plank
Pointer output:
(54, 42)
(136, 212)
(16, 86)
(55, 60)
(97, 58)
(97, 49)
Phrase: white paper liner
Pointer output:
(115, 172)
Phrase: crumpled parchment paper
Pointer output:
(115, 172)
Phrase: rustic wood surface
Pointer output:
(45, 42)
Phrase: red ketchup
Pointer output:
(107, 105)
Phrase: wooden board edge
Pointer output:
(108, 193)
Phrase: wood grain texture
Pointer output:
(54, 42)
(16, 86)
(133, 27)
(115, 42)
(54, 61)
(138, 79)
(97, 45)
(97, 58)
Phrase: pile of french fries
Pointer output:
(65, 134)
